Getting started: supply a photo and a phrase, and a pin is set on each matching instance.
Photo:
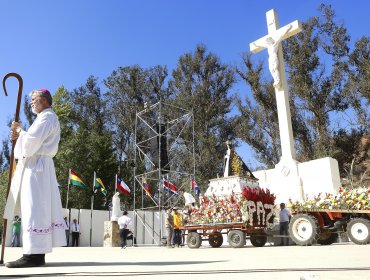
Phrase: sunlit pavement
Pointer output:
(338, 261)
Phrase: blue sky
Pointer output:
(54, 43)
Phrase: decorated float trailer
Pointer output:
(322, 218)
(237, 234)
(232, 205)
(240, 216)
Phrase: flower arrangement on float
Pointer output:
(252, 206)
(257, 207)
(345, 199)
(214, 210)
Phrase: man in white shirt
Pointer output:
(123, 223)
(66, 227)
(284, 216)
(75, 228)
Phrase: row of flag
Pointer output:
(171, 188)
(75, 180)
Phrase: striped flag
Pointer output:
(195, 187)
(122, 187)
(99, 185)
(170, 187)
(76, 181)
(147, 187)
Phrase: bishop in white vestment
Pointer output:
(34, 189)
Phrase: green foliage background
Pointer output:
(326, 78)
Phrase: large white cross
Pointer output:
(272, 42)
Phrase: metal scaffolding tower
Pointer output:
(164, 154)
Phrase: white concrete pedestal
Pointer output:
(111, 234)
(307, 180)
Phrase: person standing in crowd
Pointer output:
(16, 232)
(284, 216)
(67, 229)
(123, 222)
(34, 187)
(177, 222)
(75, 228)
(169, 227)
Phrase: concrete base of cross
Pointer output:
(297, 181)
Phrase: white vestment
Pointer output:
(34, 186)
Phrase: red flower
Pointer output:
(258, 195)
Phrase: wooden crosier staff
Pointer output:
(16, 118)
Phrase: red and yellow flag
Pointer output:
(75, 180)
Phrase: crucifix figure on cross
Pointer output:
(272, 44)
(290, 179)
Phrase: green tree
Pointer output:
(352, 143)
(27, 109)
(86, 142)
(4, 175)
(257, 124)
(5, 156)
(129, 88)
(358, 86)
(318, 88)
(202, 83)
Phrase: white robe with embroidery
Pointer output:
(35, 188)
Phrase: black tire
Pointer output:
(215, 240)
(358, 230)
(236, 238)
(193, 240)
(258, 240)
(303, 229)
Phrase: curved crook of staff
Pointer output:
(11, 166)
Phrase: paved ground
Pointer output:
(339, 261)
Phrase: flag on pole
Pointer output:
(147, 188)
(76, 181)
(122, 187)
(195, 187)
(170, 187)
(99, 185)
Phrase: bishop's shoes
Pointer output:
(29, 260)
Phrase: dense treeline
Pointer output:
(328, 77)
